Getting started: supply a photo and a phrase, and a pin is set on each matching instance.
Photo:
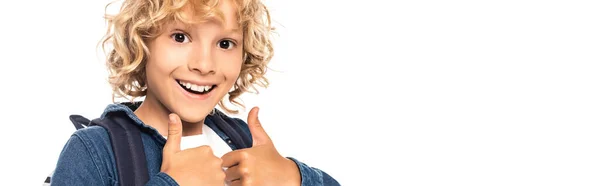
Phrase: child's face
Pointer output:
(185, 61)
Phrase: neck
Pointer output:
(153, 113)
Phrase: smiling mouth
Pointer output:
(196, 89)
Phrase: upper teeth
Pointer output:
(198, 88)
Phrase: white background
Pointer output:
(373, 92)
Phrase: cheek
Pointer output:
(232, 73)
(231, 67)
(163, 60)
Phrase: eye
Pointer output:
(180, 37)
(226, 44)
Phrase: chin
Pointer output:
(192, 115)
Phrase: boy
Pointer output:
(184, 57)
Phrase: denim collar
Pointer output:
(129, 107)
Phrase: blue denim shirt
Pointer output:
(87, 158)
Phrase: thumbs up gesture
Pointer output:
(261, 164)
(195, 166)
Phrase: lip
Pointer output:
(193, 96)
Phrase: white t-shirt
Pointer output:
(208, 137)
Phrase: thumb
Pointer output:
(173, 144)
(259, 136)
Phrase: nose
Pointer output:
(203, 61)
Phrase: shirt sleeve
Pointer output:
(313, 176)
(161, 179)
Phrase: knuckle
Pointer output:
(247, 181)
(203, 147)
(207, 149)
(244, 171)
(218, 161)
(174, 131)
(244, 155)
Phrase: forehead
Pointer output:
(222, 12)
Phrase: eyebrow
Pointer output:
(233, 31)
(185, 26)
(179, 25)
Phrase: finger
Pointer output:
(233, 158)
(259, 136)
(235, 174)
(234, 183)
(203, 150)
(173, 143)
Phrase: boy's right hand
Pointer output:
(195, 166)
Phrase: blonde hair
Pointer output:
(139, 21)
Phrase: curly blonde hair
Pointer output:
(139, 21)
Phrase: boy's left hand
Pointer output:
(261, 164)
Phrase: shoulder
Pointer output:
(93, 136)
(87, 151)
(97, 142)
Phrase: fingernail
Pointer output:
(172, 118)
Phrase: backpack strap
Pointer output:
(230, 127)
(79, 121)
(128, 148)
